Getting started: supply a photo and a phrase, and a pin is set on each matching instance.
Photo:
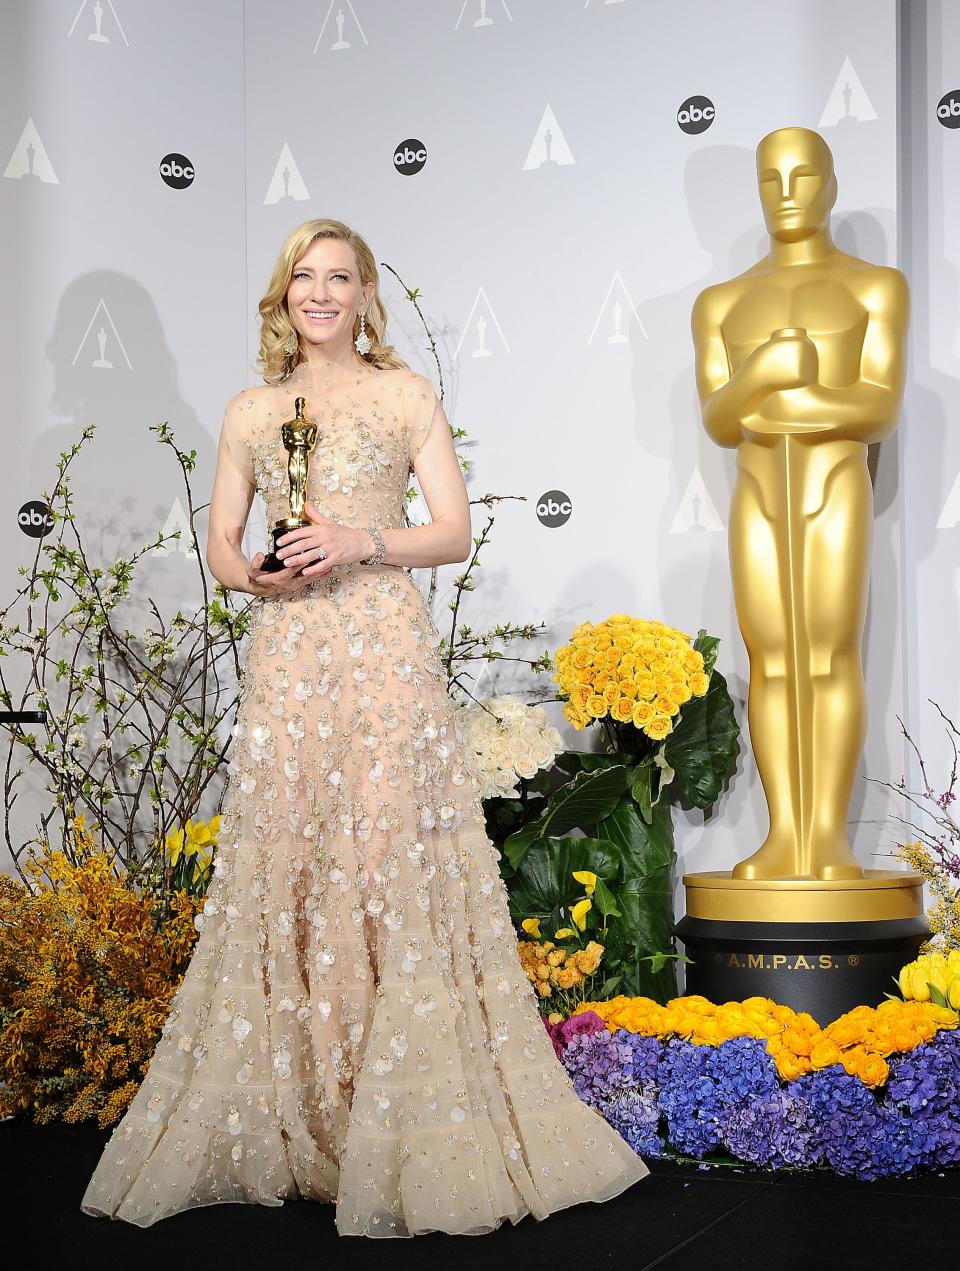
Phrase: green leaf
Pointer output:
(702, 747)
(936, 996)
(605, 900)
(643, 848)
(544, 882)
(640, 789)
(578, 804)
(707, 645)
(608, 988)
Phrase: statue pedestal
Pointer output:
(821, 946)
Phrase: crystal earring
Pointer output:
(363, 343)
(291, 343)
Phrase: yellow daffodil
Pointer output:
(173, 846)
(587, 878)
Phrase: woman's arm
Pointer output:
(448, 538)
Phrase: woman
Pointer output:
(355, 1025)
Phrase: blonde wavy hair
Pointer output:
(274, 362)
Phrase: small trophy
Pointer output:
(299, 439)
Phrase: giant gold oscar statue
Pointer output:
(800, 367)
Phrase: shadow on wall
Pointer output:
(113, 368)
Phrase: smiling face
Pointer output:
(325, 294)
(797, 183)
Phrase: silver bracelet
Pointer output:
(380, 549)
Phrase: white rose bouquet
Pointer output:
(508, 740)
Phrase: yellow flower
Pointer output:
(823, 1053)
(666, 705)
(699, 683)
(596, 706)
(173, 845)
(579, 912)
(646, 687)
(622, 710)
(642, 714)
(532, 927)
(872, 1070)
(659, 727)
(564, 933)
(588, 878)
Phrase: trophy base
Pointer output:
(272, 564)
(814, 945)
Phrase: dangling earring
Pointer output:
(363, 343)
(291, 343)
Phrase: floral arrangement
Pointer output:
(670, 1096)
(670, 731)
(632, 671)
(860, 1040)
(933, 977)
(87, 970)
(509, 741)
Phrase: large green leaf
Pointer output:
(578, 804)
(643, 848)
(702, 746)
(644, 895)
(544, 880)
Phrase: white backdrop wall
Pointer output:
(559, 228)
(930, 239)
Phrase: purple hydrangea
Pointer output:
(678, 1097)
(635, 1115)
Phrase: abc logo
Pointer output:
(696, 114)
(34, 518)
(177, 171)
(409, 157)
(948, 109)
(553, 508)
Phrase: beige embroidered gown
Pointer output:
(354, 1025)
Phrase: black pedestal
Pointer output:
(825, 968)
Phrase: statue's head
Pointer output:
(797, 183)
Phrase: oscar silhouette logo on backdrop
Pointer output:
(800, 365)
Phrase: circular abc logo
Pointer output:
(553, 509)
(177, 171)
(34, 518)
(409, 157)
(696, 114)
(948, 109)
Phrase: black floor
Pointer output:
(680, 1218)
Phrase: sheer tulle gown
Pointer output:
(354, 1026)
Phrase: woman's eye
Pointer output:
(299, 274)
(343, 276)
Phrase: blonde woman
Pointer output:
(355, 1026)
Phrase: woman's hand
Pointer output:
(278, 583)
(300, 549)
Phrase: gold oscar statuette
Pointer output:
(800, 366)
(299, 439)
